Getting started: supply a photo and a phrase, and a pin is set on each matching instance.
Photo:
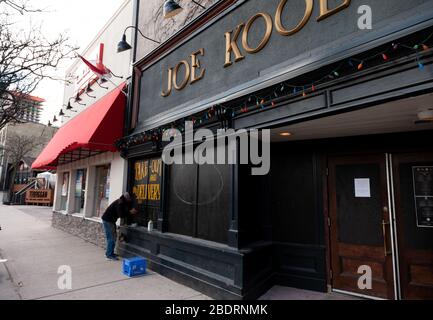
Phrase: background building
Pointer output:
(91, 173)
(36, 135)
(32, 109)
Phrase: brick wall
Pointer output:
(88, 230)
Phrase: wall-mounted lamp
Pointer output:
(89, 88)
(70, 108)
(123, 45)
(77, 98)
(55, 119)
(49, 123)
(102, 80)
(171, 8)
(62, 114)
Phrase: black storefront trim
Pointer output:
(379, 85)
(257, 256)
(224, 272)
(212, 268)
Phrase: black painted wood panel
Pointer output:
(182, 199)
(214, 202)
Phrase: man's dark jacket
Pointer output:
(118, 209)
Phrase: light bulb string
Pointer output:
(256, 102)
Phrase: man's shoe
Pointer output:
(112, 258)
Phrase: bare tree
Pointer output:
(20, 6)
(26, 58)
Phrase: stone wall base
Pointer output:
(88, 230)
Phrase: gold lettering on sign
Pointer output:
(194, 71)
(145, 192)
(190, 73)
(195, 65)
(141, 170)
(185, 77)
(232, 46)
(147, 180)
(155, 171)
(140, 192)
(266, 37)
(154, 192)
(279, 24)
(169, 85)
(231, 41)
(325, 12)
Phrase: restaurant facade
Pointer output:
(346, 90)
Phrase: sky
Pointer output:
(81, 20)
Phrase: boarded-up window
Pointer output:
(199, 201)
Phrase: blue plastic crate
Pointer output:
(134, 267)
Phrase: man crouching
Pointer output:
(118, 209)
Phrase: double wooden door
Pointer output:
(381, 225)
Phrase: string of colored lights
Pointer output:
(255, 102)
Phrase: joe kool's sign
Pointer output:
(193, 71)
(255, 40)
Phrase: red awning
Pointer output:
(95, 129)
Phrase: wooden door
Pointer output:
(360, 229)
(413, 189)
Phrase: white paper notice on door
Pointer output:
(362, 188)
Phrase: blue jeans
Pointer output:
(110, 236)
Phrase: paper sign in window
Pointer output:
(362, 188)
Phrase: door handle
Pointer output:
(385, 246)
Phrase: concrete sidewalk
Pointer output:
(35, 251)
